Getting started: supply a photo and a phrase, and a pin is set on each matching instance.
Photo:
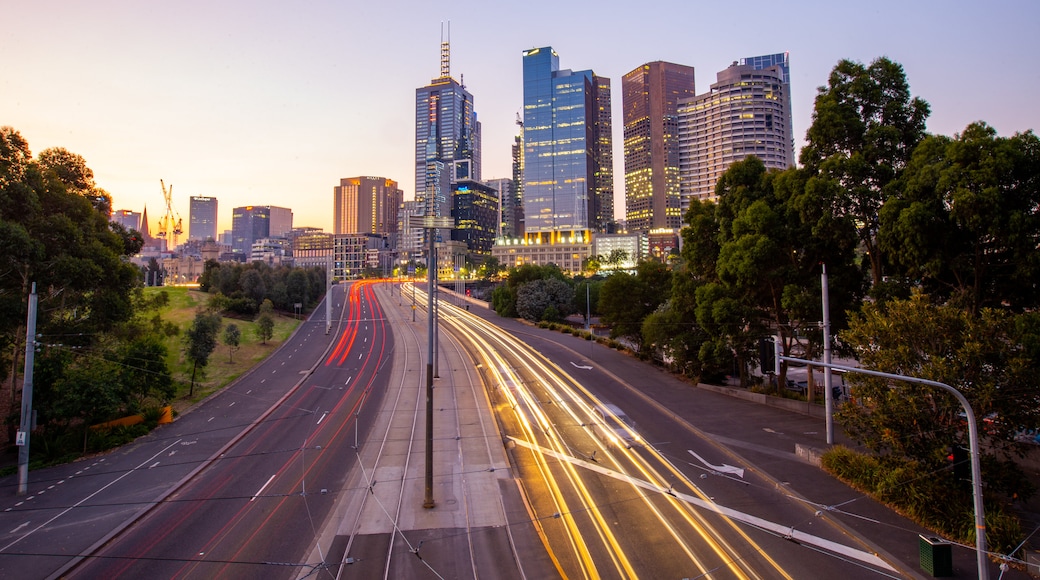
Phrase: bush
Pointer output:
(930, 497)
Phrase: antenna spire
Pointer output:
(446, 52)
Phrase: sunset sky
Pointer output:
(271, 103)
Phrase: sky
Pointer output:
(272, 103)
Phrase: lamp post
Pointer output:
(973, 442)
(431, 224)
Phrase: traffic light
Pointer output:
(767, 355)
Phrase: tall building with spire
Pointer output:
(568, 178)
(447, 138)
(650, 103)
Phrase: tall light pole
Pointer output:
(973, 443)
(26, 424)
(431, 224)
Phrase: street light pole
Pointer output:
(973, 442)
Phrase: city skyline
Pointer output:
(267, 106)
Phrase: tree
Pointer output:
(264, 327)
(984, 356)
(232, 337)
(865, 127)
(55, 231)
(548, 299)
(627, 299)
(754, 258)
(967, 222)
(200, 341)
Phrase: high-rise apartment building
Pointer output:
(202, 218)
(254, 222)
(745, 113)
(505, 191)
(447, 139)
(782, 60)
(568, 181)
(650, 100)
(366, 205)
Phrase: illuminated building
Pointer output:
(746, 112)
(568, 178)
(366, 205)
(651, 95)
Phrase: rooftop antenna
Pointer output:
(446, 52)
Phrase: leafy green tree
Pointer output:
(865, 127)
(548, 299)
(754, 258)
(55, 232)
(264, 327)
(504, 298)
(143, 375)
(232, 338)
(984, 356)
(200, 341)
(966, 224)
(627, 299)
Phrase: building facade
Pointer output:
(130, 220)
(366, 205)
(202, 218)
(782, 60)
(745, 113)
(253, 222)
(650, 101)
(475, 209)
(567, 162)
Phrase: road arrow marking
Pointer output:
(738, 471)
(581, 367)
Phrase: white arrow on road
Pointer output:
(580, 367)
(738, 471)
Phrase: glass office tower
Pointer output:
(202, 218)
(568, 181)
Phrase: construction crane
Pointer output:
(170, 224)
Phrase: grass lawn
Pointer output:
(223, 367)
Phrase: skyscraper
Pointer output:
(447, 138)
(651, 95)
(202, 218)
(130, 220)
(366, 205)
(745, 113)
(568, 183)
(782, 60)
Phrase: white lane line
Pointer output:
(16, 530)
(152, 466)
(348, 380)
(232, 404)
(781, 530)
(323, 415)
(80, 502)
(359, 356)
(261, 490)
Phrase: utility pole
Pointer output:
(827, 395)
(430, 224)
(26, 425)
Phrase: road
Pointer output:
(675, 504)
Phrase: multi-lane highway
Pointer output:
(547, 463)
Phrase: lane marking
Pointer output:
(154, 464)
(16, 530)
(724, 468)
(84, 500)
(781, 530)
(259, 491)
(323, 415)
(588, 368)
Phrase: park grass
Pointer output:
(223, 368)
